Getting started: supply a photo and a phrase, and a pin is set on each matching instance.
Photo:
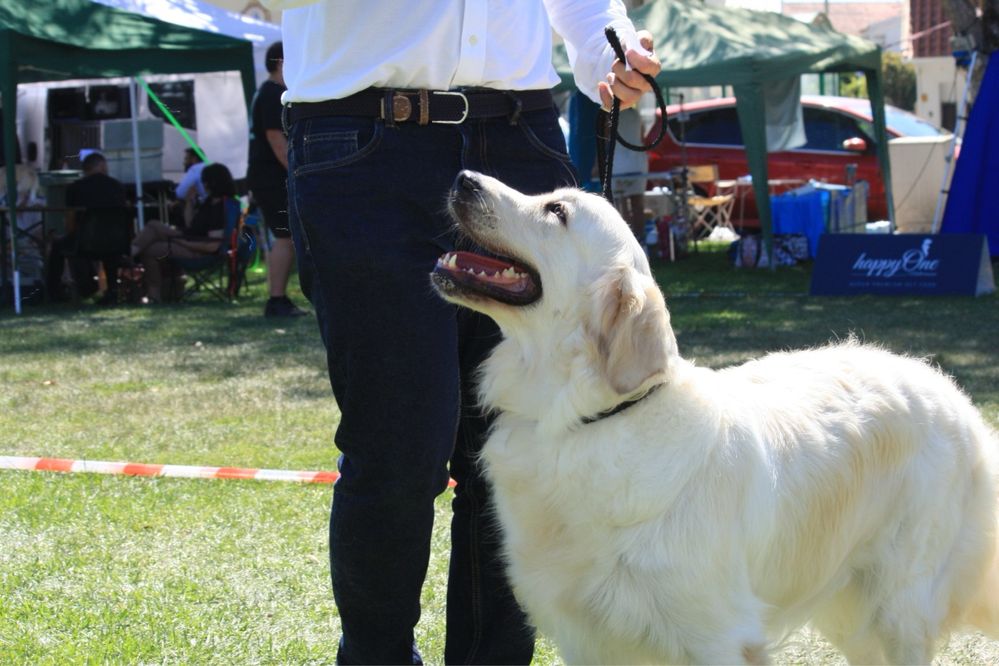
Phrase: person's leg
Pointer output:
(154, 231)
(152, 269)
(55, 267)
(273, 206)
(485, 625)
(160, 243)
(365, 203)
(280, 262)
(84, 276)
(111, 266)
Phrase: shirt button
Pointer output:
(473, 40)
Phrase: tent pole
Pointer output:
(136, 162)
(8, 91)
(875, 92)
(752, 121)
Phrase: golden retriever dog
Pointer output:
(657, 512)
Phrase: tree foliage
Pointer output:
(899, 81)
(898, 78)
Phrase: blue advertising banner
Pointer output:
(920, 264)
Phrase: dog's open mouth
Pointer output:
(500, 279)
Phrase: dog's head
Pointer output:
(559, 263)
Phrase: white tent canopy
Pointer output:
(202, 16)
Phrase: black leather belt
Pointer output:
(425, 107)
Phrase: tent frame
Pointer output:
(57, 40)
(702, 46)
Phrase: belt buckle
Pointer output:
(464, 114)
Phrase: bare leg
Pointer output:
(153, 273)
(279, 263)
(154, 231)
(157, 251)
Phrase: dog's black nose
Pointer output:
(466, 181)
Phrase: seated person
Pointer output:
(201, 236)
(96, 189)
(189, 187)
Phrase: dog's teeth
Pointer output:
(452, 261)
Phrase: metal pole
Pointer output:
(9, 96)
(136, 163)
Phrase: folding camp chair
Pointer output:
(221, 274)
(714, 209)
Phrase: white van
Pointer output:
(56, 120)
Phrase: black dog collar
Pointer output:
(620, 407)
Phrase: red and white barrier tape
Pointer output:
(182, 471)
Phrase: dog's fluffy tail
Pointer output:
(983, 613)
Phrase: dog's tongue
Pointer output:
(491, 270)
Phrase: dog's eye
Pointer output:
(558, 210)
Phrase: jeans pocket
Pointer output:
(542, 131)
(331, 143)
(544, 134)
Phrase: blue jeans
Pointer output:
(367, 212)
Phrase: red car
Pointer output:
(839, 132)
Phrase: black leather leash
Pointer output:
(607, 124)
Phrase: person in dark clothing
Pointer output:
(96, 189)
(377, 136)
(267, 178)
(202, 234)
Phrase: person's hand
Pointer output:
(626, 84)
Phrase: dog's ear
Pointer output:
(631, 328)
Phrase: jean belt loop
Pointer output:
(285, 125)
(424, 107)
(518, 107)
(388, 108)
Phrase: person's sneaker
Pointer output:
(281, 306)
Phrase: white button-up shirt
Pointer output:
(334, 49)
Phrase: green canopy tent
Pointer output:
(712, 46)
(54, 40)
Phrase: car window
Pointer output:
(711, 126)
(827, 130)
(908, 124)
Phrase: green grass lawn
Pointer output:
(98, 569)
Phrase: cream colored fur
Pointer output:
(843, 486)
